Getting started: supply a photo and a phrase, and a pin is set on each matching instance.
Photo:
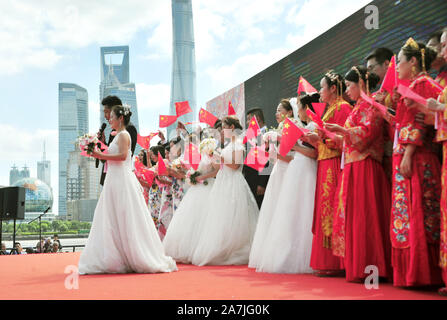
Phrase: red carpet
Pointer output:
(41, 276)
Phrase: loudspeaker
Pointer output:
(12, 203)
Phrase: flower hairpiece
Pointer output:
(126, 109)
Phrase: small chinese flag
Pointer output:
(207, 117)
(192, 155)
(144, 172)
(253, 130)
(182, 108)
(315, 118)
(166, 121)
(408, 93)
(290, 134)
(161, 165)
(231, 111)
(145, 141)
(304, 86)
(390, 79)
(319, 108)
(257, 158)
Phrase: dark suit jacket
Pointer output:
(255, 178)
(133, 140)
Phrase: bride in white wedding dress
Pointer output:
(123, 237)
(231, 209)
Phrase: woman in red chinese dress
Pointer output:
(362, 204)
(415, 214)
(441, 136)
(328, 173)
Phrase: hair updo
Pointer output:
(415, 50)
(335, 79)
(232, 121)
(124, 111)
(358, 72)
(306, 100)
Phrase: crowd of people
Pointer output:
(366, 189)
(46, 245)
(364, 185)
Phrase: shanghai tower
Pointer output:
(183, 80)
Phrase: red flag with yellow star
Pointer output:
(145, 141)
(207, 117)
(304, 86)
(231, 111)
(253, 130)
(192, 156)
(182, 108)
(290, 134)
(390, 79)
(319, 108)
(166, 121)
(257, 158)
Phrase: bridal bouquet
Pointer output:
(191, 177)
(208, 146)
(87, 143)
(177, 164)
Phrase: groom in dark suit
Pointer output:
(107, 104)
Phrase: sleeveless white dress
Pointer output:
(287, 246)
(123, 237)
(185, 228)
(231, 218)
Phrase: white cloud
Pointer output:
(35, 33)
(153, 100)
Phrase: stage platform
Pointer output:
(42, 277)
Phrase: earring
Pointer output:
(413, 71)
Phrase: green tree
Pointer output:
(75, 225)
(23, 227)
(63, 227)
(46, 226)
(33, 226)
(86, 225)
(56, 225)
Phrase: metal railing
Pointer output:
(64, 248)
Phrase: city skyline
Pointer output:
(61, 43)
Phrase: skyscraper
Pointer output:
(115, 81)
(44, 169)
(183, 79)
(15, 174)
(73, 122)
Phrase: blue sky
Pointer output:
(50, 41)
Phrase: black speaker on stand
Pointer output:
(12, 207)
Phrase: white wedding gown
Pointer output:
(231, 218)
(287, 245)
(185, 228)
(266, 214)
(123, 237)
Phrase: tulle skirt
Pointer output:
(288, 244)
(230, 222)
(186, 226)
(266, 214)
(123, 237)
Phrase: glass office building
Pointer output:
(73, 122)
